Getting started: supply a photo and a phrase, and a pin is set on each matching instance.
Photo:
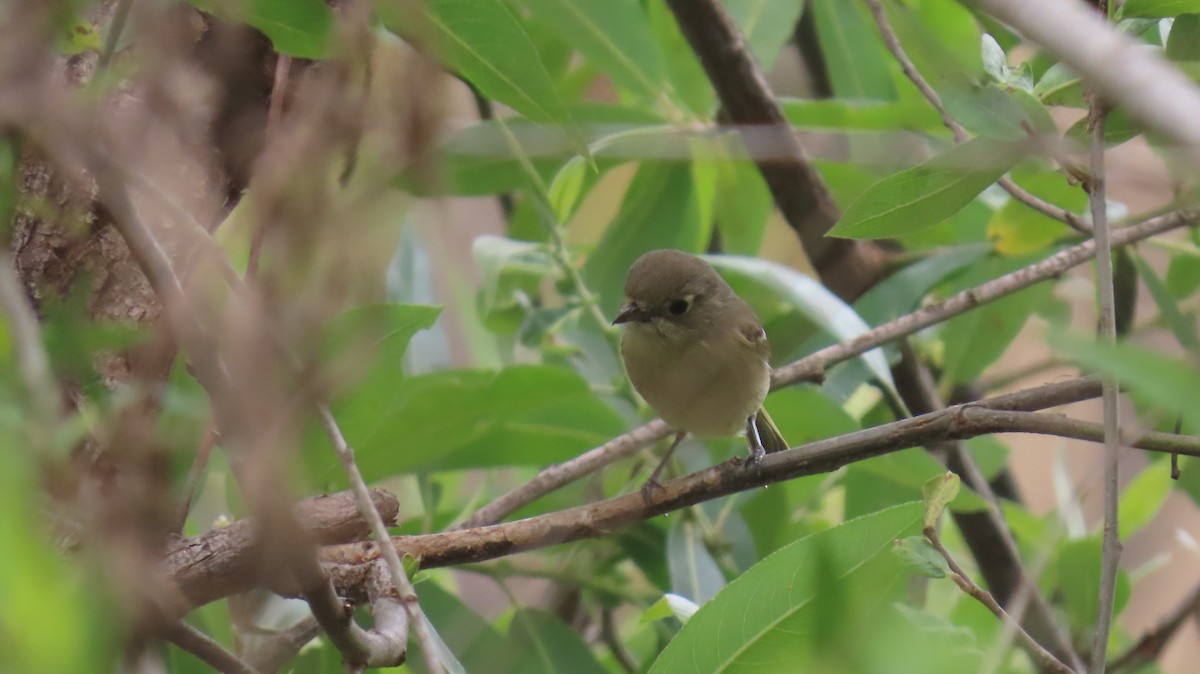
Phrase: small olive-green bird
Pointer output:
(696, 352)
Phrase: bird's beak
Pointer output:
(631, 312)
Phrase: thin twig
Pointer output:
(1111, 547)
(1045, 658)
(813, 366)
(366, 508)
(283, 64)
(192, 483)
(202, 646)
(281, 647)
(120, 16)
(1007, 413)
(960, 134)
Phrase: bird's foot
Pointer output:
(756, 456)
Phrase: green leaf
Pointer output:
(688, 79)
(989, 111)
(371, 340)
(1159, 380)
(1153, 9)
(860, 115)
(694, 573)
(671, 605)
(921, 557)
(510, 270)
(1119, 127)
(548, 645)
(1143, 497)
(896, 478)
(1183, 328)
(482, 41)
(743, 204)
(1183, 273)
(924, 195)
(660, 193)
(854, 53)
(939, 492)
(940, 36)
(1078, 567)
(810, 298)
(787, 604)
(301, 28)
(614, 36)
(1183, 44)
(975, 339)
(477, 645)
(77, 36)
(1060, 86)
(766, 25)
(901, 292)
(521, 415)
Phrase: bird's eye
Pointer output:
(678, 307)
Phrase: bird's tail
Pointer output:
(772, 439)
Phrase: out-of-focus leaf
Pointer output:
(1119, 127)
(812, 299)
(475, 643)
(901, 292)
(743, 204)
(482, 41)
(614, 36)
(1159, 380)
(975, 339)
(509, 268)
(1060, 86)
(1153, 9)
(1017, 229)
(995, 64)
(671, 605)
(895, 478)
(371, 340)
(783, 603)
(1183, 44)
(687, 76)
(1183, 273)
(920, 557)
(940, 36)
(548, 646)
(1078, 566)
(521, 415)
(694, 573)
(300, 28)
(854, 53)
(924, 195)
(766, 25)
(661, 210)
(76, 37)
(842, 114)
(1183, 328)
(1143, 497)
(989, 111)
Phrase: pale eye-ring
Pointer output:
(678, 307)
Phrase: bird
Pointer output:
(696, 352)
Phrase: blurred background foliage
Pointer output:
(575, 136)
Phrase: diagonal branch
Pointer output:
(846, 267)
(812, 367)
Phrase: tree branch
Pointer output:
(202, 646)
(1045, 659)
(1151, 645)
(847, 267)
(813, 366)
